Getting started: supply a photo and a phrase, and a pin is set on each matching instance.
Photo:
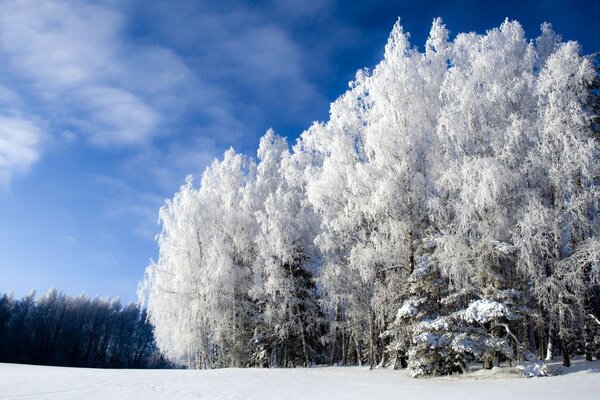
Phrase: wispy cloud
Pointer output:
(116, 116)
(74, 65)
(20, 140)
(191, 70)
(58, 45)
(254, 65)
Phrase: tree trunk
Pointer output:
(371, 340)
(550, 348)
(304, 349)
(540, 343)
(382, 361)
(588, 339)
(344, 348)
(411, 248)
(358, 352)
(563, 334)
(332, 347)
(526, 337)
(488, 362)
(533, 340)
(396, 360)
(404, 361)
(565, 353)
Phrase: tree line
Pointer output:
(79, 331)
(446, 213)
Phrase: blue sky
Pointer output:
(106, 106)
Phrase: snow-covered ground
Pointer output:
(580, 382)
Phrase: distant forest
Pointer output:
(79, 331)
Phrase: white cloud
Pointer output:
(117, 116)
(255, 61)
(58, 45)
(20, 141)
(76, 66)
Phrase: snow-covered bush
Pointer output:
(533, 369)
(447, 344)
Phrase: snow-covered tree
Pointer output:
(445, 213)
(174, 289)
(557, 232)
(286, 261)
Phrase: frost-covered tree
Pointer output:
(286, 261)
(174, 288)
(399, 137)
(445, 213)
(378, 141)
(334, 190)
(229, 254)
(198, 291)
(482, 126)
(557, 234)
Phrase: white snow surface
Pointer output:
(581, 382)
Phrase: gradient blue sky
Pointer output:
(106, 106)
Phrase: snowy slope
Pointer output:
(580, 382)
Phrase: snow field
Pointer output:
(581, 382)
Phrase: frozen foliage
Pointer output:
(446, 213)
(407, 310)
(484, 311)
